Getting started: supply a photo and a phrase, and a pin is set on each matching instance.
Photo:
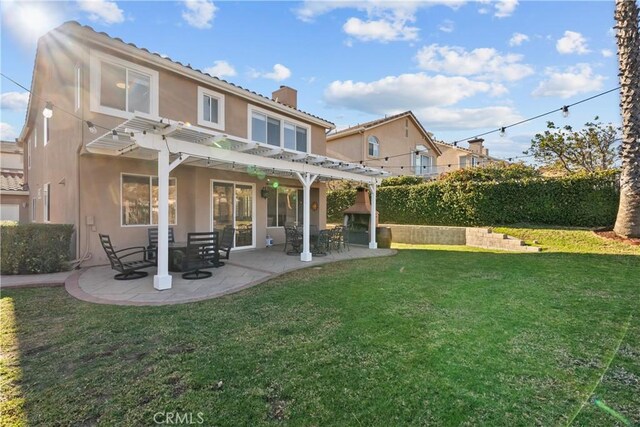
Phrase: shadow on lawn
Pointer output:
(437, 336)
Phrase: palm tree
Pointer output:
(628, 38)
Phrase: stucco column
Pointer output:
(162, 279)
(306, 179)
(373, 220)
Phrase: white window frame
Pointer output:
(376, 146)
(34, 207)
(283, 119)
(45, 131)
(97, 58)
(47, 202)
(35, 136)
(122, 224)
(202, 92)
(78, 88)
(30, 149)
(299, 192)
(253, 211)
(474, 161)
(418, 165)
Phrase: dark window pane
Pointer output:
(113, 86)
(259, 127)
(139, 86)
(135, 200)
(273, 132)
(301, 139)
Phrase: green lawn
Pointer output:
(432, 336)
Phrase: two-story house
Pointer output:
(398, 144)
(14, 196)
(121, 139)
(455, 157)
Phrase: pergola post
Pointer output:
(306, 179)
(373, 219)
(162, 279)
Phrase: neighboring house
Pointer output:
(398, 144)
(121, 139)
(14, 196)
(454, 157)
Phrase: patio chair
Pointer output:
(321, 246)
(129, 270)
(202, 253)
(293, 239)
(336, 237)
(226, 241)
(153, 240)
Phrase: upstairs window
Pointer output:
(274, 131)
(119, 87)
(210, 108)
(29, 150)
(45, 131)
(423, 165)
(374, 146)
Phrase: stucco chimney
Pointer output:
(475, 146)
(286, 95)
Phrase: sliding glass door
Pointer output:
(233, 204)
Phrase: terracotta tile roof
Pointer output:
(12, 180)
(78, 25)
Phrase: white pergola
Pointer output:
(151, 139)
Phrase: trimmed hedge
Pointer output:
(581, 201)
(35, 248)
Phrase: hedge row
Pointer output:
(584, 201)
(35, 248)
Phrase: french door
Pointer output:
(233, 203)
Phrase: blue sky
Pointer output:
(464, 67)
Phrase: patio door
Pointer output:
(233, 204)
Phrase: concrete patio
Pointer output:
(245, 269)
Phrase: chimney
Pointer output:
(475, 146)
(286, 95)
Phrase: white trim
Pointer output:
(202, 91)
(283, 119)
(30, 149)
(45, 131)
(151, 224)
(46, 213)
(35, 136)
(254, 230)
(97, 58)
(78, 87)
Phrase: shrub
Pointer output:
(35, 248)
(492, 172)
(401, 180)
(579, 200)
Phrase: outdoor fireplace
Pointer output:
(357, 218)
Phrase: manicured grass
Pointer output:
(432, 336)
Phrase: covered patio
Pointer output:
(246, 269)
(171, 144)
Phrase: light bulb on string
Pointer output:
(565, 111)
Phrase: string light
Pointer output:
(565, 111)
(114, 135)
(48, 110)
(92, 128)
(503, 131)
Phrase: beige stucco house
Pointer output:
(122, 139)
(455, 157)
(14, 195)
(398, 144)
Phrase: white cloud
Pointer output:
(394, 94)
(482, 62)
(572, 42)
(607, 53)
(505, 8)
(16, 101)
(221, 69)
(311, 9)
(466, 118)
(7, 132)
(570, 82)
(447, 26)
(199, 13)
(279, 73)
(104, 11)
(382, 30)
(517, 39)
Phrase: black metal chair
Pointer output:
(129, 270)
(153, 240)
(202, 253)
(226, 241)
(321, 246)
(336, 237)
(293, 239)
